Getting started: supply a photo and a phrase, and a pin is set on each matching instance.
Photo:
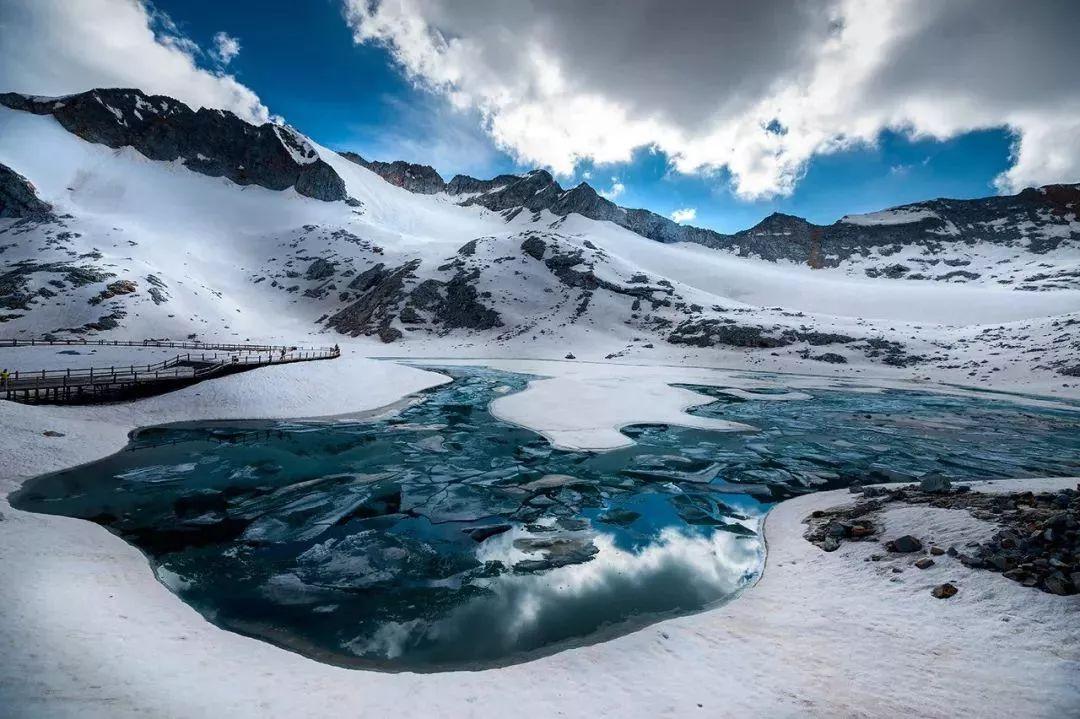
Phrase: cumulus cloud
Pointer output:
(57, 47)
(757, 89)
(226, 47)
(685, 214)
(616, 189)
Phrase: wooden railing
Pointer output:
(95, 384)
(178, 344)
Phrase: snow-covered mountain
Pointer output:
(942, 240)
(130, 215)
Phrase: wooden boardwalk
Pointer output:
(118, 382)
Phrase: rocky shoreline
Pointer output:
(1037, 543)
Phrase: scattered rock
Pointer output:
(935, 483)
(319, 269)
(937, 551)
(924, 563)
(904, 545)
(944, 591)
(53, 433)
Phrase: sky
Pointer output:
(714, 113)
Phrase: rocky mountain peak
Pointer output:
(208, 141)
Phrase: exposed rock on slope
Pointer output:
(212, 142)
(18, 198)
(421, 179)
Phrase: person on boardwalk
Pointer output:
(4, 377)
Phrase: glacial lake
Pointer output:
(441, 538)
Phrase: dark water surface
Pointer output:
(442, 538)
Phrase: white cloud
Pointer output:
(427, 132)
(757, 89)
(226, 47)
(58, 47)
(685, 214)
(616, 189)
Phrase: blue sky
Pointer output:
(302, 62)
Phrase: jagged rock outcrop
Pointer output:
(18, 199)
(210, 142)
(385, 295)
(538, 191)
(465, 185)
(421, 179)
(454, 304)
(382, 291)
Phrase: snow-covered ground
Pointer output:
(87, 630)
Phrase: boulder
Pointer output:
(935, 483)
(944, 591)
(904, 545)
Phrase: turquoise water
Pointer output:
(442, 538)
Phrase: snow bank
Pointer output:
(601, 408)
(583, 405)
(311, 389)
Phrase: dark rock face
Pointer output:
(18, 199)
(462, 308)
(421, 179)
(465, 185)
(381, 290)
(385, 295)
(319, 269)
(210, 142)
(534, 247)
(452, 305)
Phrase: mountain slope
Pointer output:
(211, 142)
(138, 247)
(1036, 233)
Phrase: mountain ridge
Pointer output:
(220, 144)
(779, 236)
